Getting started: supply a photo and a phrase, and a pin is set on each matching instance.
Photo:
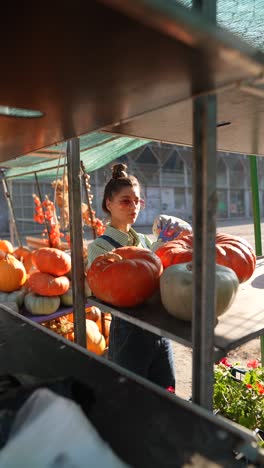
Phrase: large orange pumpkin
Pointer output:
(236, 253)
(176, 251)
(48, 285)
(6, 246)
(52, 261)
(127, 276)
(231, 251)
(12, 274)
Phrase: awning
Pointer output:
(97, 149)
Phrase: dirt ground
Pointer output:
(241, 355)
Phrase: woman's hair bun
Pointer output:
(119, 170)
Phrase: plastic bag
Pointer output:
(51, 431)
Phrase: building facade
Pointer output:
(165, 175)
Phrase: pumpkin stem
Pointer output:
(113, 256)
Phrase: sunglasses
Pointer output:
(126, 203)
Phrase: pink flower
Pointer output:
(225, 362)
(253, 364)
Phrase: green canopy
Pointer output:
(242, 17)
(97, 149)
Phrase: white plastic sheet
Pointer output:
(52, 432)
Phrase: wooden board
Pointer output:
(37, 243)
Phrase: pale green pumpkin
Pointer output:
(41, 305)
(67, 298)
(15, 296)
(176, 289)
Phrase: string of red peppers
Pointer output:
(45, 211)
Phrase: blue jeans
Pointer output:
(142, 352)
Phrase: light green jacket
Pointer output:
(101, 246)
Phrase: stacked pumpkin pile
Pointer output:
(50, 286)
(97, 338)
(128, 276)
(48, 282)
(97, 329)
(13, 275)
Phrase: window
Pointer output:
(221, 209)
(173, 170)
(237, 175)
(237, 203)
(147, 168)
(221, 174)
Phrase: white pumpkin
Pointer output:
(176, 289)
(67, 298)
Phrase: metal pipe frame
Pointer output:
(78, 277)
(204, 227)
(11, 209)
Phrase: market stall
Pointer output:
(196, 61)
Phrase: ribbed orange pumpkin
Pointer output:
(29, 265)
(127, 276)
(176, 251)
(12, 274)
(6, 246)
(231, 251)
(22, 253)
(236, 253)
(48, 285)
(52, 261)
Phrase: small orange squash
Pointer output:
(6, 246)
(48, 285)
(21, 253)
(107, 324)
(12, 274)
(2, 254)
(95, 340)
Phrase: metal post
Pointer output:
(11, 209)
(255, 203)
(257, 221)
(74, 180)
(204, 227)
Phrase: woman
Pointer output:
(130, 346)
